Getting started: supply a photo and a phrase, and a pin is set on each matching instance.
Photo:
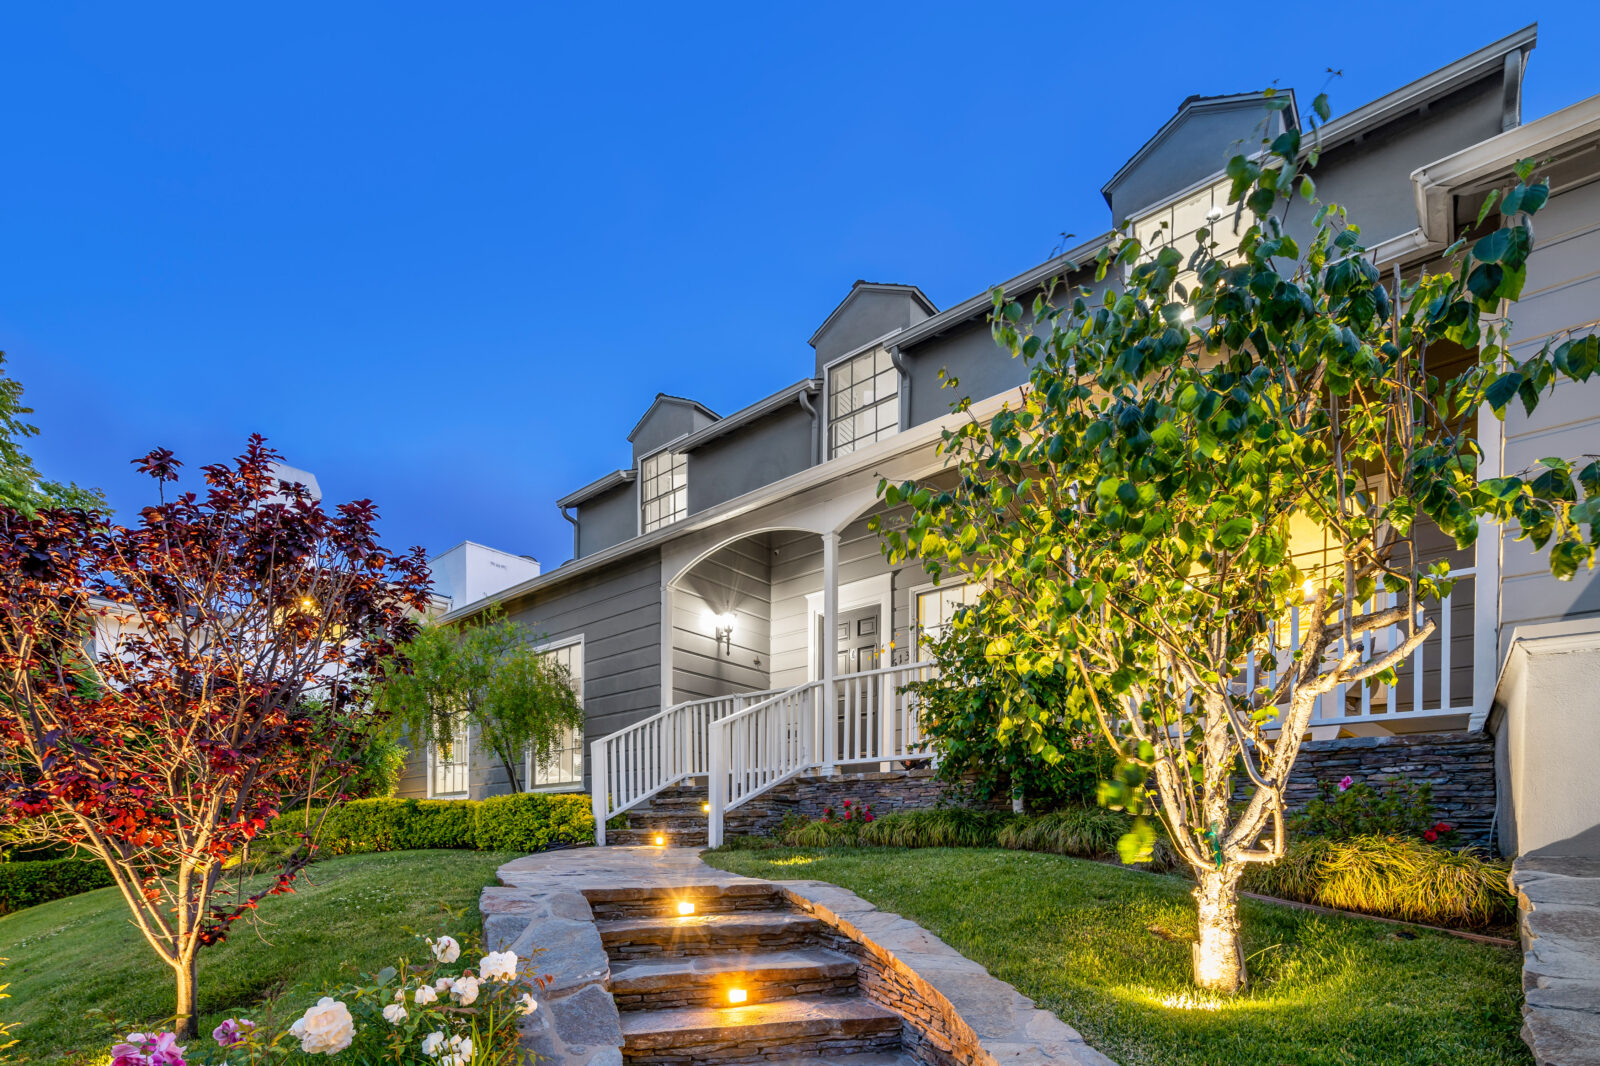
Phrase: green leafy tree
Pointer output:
(1132, 509)
(483, 678)
(22, 487)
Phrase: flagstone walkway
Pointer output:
(656, 958)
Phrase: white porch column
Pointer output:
(1486, 579)
(667, 689)
(599, 789)
(829, 649)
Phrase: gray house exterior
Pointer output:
(729, 564)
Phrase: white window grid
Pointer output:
(563, 771)
(863, 401)
(663, 490)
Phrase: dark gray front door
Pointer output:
(860, 649)
(860, 642)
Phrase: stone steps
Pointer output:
(704, 981)
(806, 1028)
(706, 934)
(638, 902)
(688, 837)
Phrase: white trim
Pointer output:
(825, 394)
(465, 743)
(913, 623)
(639, 479)
(583, 749)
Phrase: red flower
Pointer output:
(1430, 836)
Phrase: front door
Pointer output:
(860, 648)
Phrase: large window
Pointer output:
(451, 763)
(564, 768)
(663, 490)
(936, 609)
(863, 401)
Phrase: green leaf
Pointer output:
(1502, 389)
(1319, 104)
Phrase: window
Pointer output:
(936, 609)
(564, 769)
(663, 490)
(451, 763)
(863, 401)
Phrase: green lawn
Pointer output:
(81, 975)
(1107, 949)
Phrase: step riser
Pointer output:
(713, 992)
(667, 907)
(625, 838)
(727, 1052)
(702, 942)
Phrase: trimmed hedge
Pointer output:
(27, 884)
(526, 821)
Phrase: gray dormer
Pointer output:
(871, 310)
(668, 418)
(1193, 145)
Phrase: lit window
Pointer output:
(936, 610)
(451, 763)
(564, 767)
(663, 490)
(863, 402)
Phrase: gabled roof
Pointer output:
(662, 398)
(861, 286)
(595, 488)
(1198, 105)
(761, 408)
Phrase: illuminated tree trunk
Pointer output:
(184, 1022)
(1218, 955)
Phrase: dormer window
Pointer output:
(863, 401)
(663, 490)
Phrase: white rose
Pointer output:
(527, 1003)
(445, 949)
(461, 1051)
(400, 994)
(326, 1028)
(394, 1014)
(425, 995)
(432, 1043)
(465, 991)
(444, 984)
(498, 966)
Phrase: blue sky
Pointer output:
(444, 256)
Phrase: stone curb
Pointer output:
(1558, 916)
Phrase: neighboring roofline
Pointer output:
(872, 286)
(1429, 87)
(661, 398)
(1195, 105)
(921, 436)
(1028, 279)
(485, 547)
(761, 408)
(594, 488)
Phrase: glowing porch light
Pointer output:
(685, 908)
(737, 995)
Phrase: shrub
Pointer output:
(949, 827)
(1350, 810)
(1392, 877)
(527, 821)
(27, 884)
(530, 821)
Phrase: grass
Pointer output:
(81, 975)
(1107, 949)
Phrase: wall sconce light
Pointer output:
(721, 626)
(685, 908)
(737, 995)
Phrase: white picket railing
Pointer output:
(633, 764)
(1428, 683)
(875, 718)
(758, 748)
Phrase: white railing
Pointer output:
(758, 748)
(874, 717)
(635, 763)
(1434, 681)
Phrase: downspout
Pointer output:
(905, 386)
(816, 426)
(574, 522)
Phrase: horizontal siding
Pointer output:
(736, 579)
(1562, 292)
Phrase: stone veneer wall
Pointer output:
(1458, 766)
(899, 789)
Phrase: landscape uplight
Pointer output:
(685, 908)
(737, 995)
(661, 841)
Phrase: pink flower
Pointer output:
(232, 1031)
(148, 1049)
(1346, 783)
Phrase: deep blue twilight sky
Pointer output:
(445, 255)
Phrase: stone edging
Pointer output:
(1558, 916)
(959, 1011)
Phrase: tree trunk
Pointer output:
(186, 1017)
(511, 772)
(1218, 955)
